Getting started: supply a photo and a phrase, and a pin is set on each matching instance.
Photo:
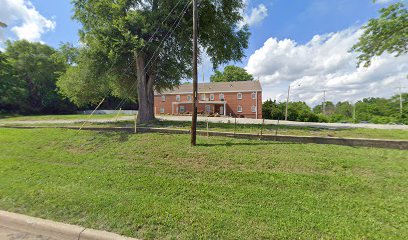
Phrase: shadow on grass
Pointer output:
(121, 136)
(263, 143)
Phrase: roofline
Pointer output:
(176, 93)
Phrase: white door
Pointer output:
(222, 110)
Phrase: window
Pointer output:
(253, 109)
(239, 96)
(222, 96)
(239, 109)
(182, 109)
(212, 97)
(203, 97)
(208, 108)
(162, 110)
(189, 98)
(163, 98)
(178, 98)
(253, 95)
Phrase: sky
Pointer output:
(301, 43)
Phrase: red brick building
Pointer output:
(241, 99)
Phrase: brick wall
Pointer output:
(231, 99)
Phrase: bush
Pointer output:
(383, 120)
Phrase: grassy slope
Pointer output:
(155, 186)
(293, 130)
(246, 128)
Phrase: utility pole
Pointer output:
(202, 71)
(195, 75)
(324, 102)
(354, 112)
(287, 103)
(400, 99)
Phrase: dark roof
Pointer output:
(239, 86)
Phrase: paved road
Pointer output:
(10, 234)
(219, 120)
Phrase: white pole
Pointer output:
(287, 103)
(324, 102)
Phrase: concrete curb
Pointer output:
(53, 229)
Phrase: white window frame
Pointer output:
(203, 97)
(222, 97)
(163, 98)
(254, 95)
(239, 95)
(239, 108)
(182, 109)
(212, 97)
(189, 98)
(253, 108)
(161, 109)
(178, 98)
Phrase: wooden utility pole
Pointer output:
(195, 75)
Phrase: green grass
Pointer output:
(155, 186)
(392, 134)
(293, 130)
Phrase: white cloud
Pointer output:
(24, 20)
(324, 63)
(258, 14)
(384, 1)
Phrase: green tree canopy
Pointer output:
(231, 74)
(388, 33)
(146, 45)
(33, 71)
(12, 91)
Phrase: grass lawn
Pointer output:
(155, 186)
(293, 130)
(225, 127)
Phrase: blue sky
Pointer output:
(280, 29)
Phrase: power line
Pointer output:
(172, 29)
(154, 56)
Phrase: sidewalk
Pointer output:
(15, 226)
(9, 234)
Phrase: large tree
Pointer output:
(32, 70)
(150, 43)
(231, 74)
(388, 33)
(12, 91)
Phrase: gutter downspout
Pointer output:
(256, 104)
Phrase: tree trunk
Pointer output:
(145, 83)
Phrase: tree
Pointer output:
(12, 90)
(2, 24)
(35, 69)
(388, 33)
(149, 43)
(231, 74)
(344, 109)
